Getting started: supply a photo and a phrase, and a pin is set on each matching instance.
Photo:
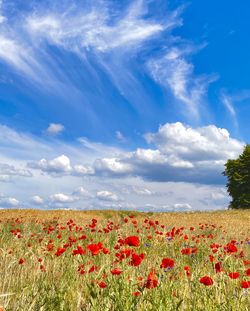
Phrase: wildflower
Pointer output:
(95, 248)
(136, 259)
(102, 284)
(187, 269)
(218, 267)
(234, 275)
(245, 284)
(136, 294)
(132, 241)
(78, 251)
(21, 261)
(167, 263)
(151, 281)
(206, 280)
(93, 268)
(116, 271)
(230, 248)
(60, 251)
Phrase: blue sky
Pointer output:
(121, 104)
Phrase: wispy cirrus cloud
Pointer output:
(106, 40)
(232, 101)
(176, 73)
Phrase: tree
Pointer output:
(238, 184)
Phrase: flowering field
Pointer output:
(106, 260)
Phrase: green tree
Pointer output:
(238, 180)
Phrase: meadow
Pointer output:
(117, 260)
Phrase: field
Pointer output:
(107, 260)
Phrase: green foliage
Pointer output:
(238, 185)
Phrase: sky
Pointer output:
(113, 104)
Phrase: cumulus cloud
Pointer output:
(7, 171)
(182, 153)
(8, 202)
(61, 166)
(82, 193)
(37, 200)
(61, 198)
(55, 129)
(105, 195)
(57, 165)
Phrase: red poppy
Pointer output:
(116, 271)
(136, 294)
(206, 280)
(231, 248)
(136, 259)
(95, 248)
(93, 268)
(60, 251)
(132, 241)
(234, 275)
(248, 272)
(186, 251)
(245, 284)
(21, 261)
(167, 263)
(218, 267)
(102, 284)
(78, 251)
(151, 281)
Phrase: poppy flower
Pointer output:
(95, 248)
(151, 281)
(136, 294)
(93, 268)
(234, 275)
(206, 280)
(248, 272)
(186, 251)
(218, 267)
(132, 241)
(167, 263)
(78, 251)
(116, 271)
(136, 259)
(245, 284)
(21, 261)
(231, 248)
(60, 251)
(102, 284)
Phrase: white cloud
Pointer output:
(86, 29)
(7, 171)
(82, 170)
(107, 196)
(61, 198)
(55, 129)
(182, 206)
(37, 200)
(8, 202)
(199, 144)
(176, 73)
(183, 154)
(57, 165)
(120, 136)
(81, 192)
